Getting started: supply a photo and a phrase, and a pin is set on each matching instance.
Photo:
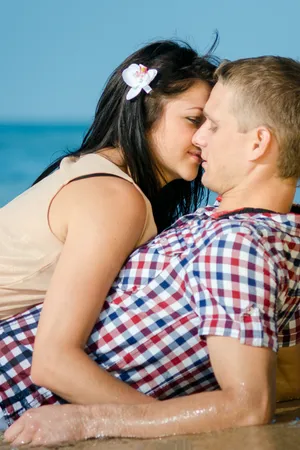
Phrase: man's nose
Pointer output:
(199, 138)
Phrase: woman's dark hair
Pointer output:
(124, 124)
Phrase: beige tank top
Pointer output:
(28, 249)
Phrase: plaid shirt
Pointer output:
(228, 274)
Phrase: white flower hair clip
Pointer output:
(138, 77)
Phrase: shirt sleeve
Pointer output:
(234, 284)
(289, 334)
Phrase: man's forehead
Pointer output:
(218, 99)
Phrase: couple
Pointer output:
(202, 308)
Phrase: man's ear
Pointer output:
(261, 141)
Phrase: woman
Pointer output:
(65, 239)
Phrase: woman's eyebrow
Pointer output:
(196, 107)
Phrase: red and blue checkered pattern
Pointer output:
(231, 275)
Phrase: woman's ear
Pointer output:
(261, 141)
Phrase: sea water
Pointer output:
(27, 149)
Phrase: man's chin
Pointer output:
(206, 183)
(209, 186)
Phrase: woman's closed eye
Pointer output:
(197, 121)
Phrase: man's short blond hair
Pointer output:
(266, 91)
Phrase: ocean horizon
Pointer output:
(28, 148)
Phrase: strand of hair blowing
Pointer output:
(123, 124)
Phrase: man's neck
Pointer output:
(276, 195)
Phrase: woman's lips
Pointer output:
(196, 157)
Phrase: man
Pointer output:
(202, 308)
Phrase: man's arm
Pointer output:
(246, 376)
(288, 373)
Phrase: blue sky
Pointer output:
(56, 55)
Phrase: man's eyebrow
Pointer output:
(209, 117)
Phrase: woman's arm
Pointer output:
(104, 218)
